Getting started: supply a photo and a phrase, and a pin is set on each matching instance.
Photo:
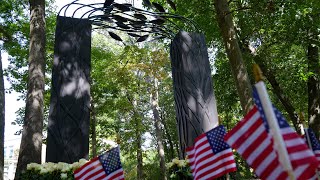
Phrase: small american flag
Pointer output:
(106, 166)
(251, 138)
(315, 145)
(211, 157)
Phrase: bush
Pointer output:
(179, 169)
(51, 171)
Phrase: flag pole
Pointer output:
(308, 139)
(272, 122)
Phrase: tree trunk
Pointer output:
(137, 119)
(31, 142)
(2, 119)
(139, 150)
(166, 132)
(93, 129)
(277, 90)
(314, 89)
(157, 123)
(238, 67)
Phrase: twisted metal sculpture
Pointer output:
(137, 23)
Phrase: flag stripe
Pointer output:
(86, 165)
(104, 167)
(224, 155)
(264, 149)
(239, 130)
(255, 145)
(210, 157)
(255, 136)
(214, 165)
(117, 175)
(88, 169)
(220, 172)
(98, 175)
(251, 138)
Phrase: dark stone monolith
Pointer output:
(68, 126)
(195, 103)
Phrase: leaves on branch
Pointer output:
(172, 5)
(120, 24)
(147, 3)
(158, 21)
(114, 36)
(123, 7)
(107, 3)
(119, 18)
(108, 9)
(137, 24)
(142, 38)
(133, 35)
(140, 16)
(158, 38)
(158, 7)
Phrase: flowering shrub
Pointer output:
(52, 171)
(179, 169)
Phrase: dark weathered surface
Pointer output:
(68, 128)
(193, 89)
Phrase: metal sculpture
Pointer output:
(137, 23)
(193, 89)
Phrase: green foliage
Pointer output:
(277, 33)
(14, 33)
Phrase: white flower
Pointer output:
(43, 171)
(64, 167)
(175, 161)
(169, 165)
(63, 176)
(49, 166)
(75, 165)
(82, 161)
(182, 163)
(34, 166)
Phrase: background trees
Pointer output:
(281, 36)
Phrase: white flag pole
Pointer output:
(274, 128)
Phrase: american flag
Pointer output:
(252, 139)
(315, 145)
(211, 157)
(106, 166)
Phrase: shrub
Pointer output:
(52, 171)
(179, 169)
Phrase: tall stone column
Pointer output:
(195, 103)
(68, 127)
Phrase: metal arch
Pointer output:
(138, 23)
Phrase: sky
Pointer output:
(11, 103)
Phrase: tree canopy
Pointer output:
(281, 36)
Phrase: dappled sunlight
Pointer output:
(37, 140)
